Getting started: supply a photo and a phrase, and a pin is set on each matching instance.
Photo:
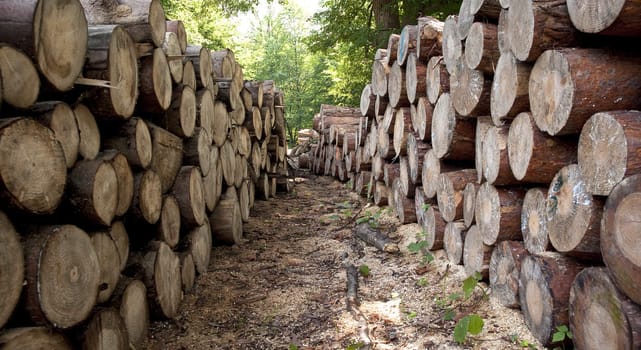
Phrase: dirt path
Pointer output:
(285, 288)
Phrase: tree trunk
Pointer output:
(155, 83)
(168, 225)
(415, 78)
(498, 213)
(601, 314)
(92, 191)
(429, 38)
(133, 139)
(438, 79)
(134, 309)
(59, 117)
(505, 269)
(434, 227)
(574, 215)
(171, 47)
(106, 330)
(11, 268)
(112, 57)
(226, 222)
(470, 91)
(453, 238)
(449, 192)
(618, 236)
(198, 243)
(89, 143)
(534, 156)
(537, 26)
(496, 165)
(407, 44)
(481, 47)
(52, 33)
(476, 254)
(607, 151)
(62, 274)
(397, 87)
(33, 338)
(534, 221)
(167, 155)
(617, 18)
(452, 44)
(404, 206)
(483, 124)
(452, 138)
(562, 100)
(510, 94)
(469, 203)
(416, 150)
(544, 291)
(147, 201)
(18, 72)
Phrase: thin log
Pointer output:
(167, 154)
(483, 124)
(415, 78)
(469, 203)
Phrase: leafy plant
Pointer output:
(411, 315)
(425, 206)
(371, 218)
(470, 324)
(561, 335)
(355, 346)
(364, 270)
(293, 347)
(421, 247)
(422, 282)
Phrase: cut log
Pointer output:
(368, 101)
(424, 115)
(33, 338)
(476, 254)
(62, 275)
(256, 90)
(189, 75)
(52, 33)
(432, 168)
(453, 239)
(544, 291)
(147, 201)
(434, 227)
(106, 330)
(607, 151)
(534, 221)
(464, 20)
(167, 154)
(469, 203)
(205, 111)
(171, 47)
(92, 191)
(534, 156)
(505, 270)
(198, 243)
(375, 238)
(503, 32)
(155, 83)
(452, 138)
(481, 47)
(89, 143)
(222, 123)
(407, 44)
(380, 71)
(119, 235)
(229, 93)
(574, 215)
(59, 117)
(415, 78)
(18, 72)
(201, 58)
(112, 57)
(408, 188)
(600, 314)
(226, 221)
(178, 28)
(243, 197)
(227, 156)
(483, 124)
(402, 128)
(496, 165)
(168, 226)
(498, 213)
(404, 206)
(415, 155)
(124, 179)
(109, 262)
(391, 172)
(509, 95)
(132, 139)
(505, 4)
(619, 242)
(383, 147)
(134, 309)
(397, 86)
(562, 100)
(381, 194)
(11, 268)
(618, 18)
(188, 191)
(470, 91)
(213, 181)
(452, 45)
(223, 63)
(438, 79)
(536, 26)
(449, 192)
(187, 271)
(197, 150)
(429, 38)
(392, 48)
(180, 117)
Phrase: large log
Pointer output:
(574, 215)
(452, 44)
(415, 78)
(619, 241)
(381, 194)
(397, 86)
(536, 26)
(429, 38)
(452, 138)
(509, 95)
(92, 191)
(62, 272)
(147, 201)
(19, 78)
(607, 151)
(619, 18)
(481, 47)
(200, 56)
(11, 268)
(90, 140)
(187, 271)
(470, 91)
(223, 64)
(188, 191)
(544, 291)
(256, 90)
(449, 192)
(124, 179)
(132, 139)
(167, 155)
(155, 83)
(119, 235)
(505, 270)
(562, 94)
(226, 222)
(52, 33)
(476, 254)
(453, 239)
(111, 56)
(59, 117)
(600, 315)
(496, 165)
(498, 213)
(33, 338)
(534, 156)
(534, 221)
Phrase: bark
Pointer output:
(429, 38)
(147, 201)
(416, 150)
(226, 222)
(167, 154)
(134, 309)
(155, 83)
(198, 243)
(124, 179)
(434, 226)
(375, 238)
(168, 225)
(424, 115)
(178, 28)
(404, 206)
(106, 330)
(201, 58)
(197, 150)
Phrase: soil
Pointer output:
(285, 287)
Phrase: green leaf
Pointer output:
(355, 346)
(562, 328)
(411, 315)
(293, 347)
(475, 324)
(425, 206)
(364, 270)
(568, 334)
(362, 220)
(449, 315)
(417, 246)
(558, 337)
(460, 331)
(427, 258)
(454, 296)
(422, 282)
(468, 286)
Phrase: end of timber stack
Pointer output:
(511, 134)
(125, 153)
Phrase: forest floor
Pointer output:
(285, 287)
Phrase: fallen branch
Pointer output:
(352, 306)
(375, 238)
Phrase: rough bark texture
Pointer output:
(92, 191)
(167, 155)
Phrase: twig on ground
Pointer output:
(375, 238)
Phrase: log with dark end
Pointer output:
(188, 191)
(226, 220)
(167, 155)
(92, 191)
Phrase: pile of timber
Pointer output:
(510, 134)
(125, 153)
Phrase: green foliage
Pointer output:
(293, 347)
(205, 25)
(561, 335)
(411, 315)
(371, 218)
(364, 270)
(422, 282)
(355, 346)
(470, 283)
(514, 338)
(421, 247)
(416, 247)
(470, 324)
(425, 206)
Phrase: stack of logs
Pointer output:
(509, 134)
(125, 153)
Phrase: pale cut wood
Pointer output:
(168, 225)
(600, 315)
(188, 191)
(19, 78)
(408, 188)
(402, 128)
(380, 71)
(510, 94)
(201, 58)
(465, 19)
(481, 47)
(179, 28)
(434, 226)
(498, 213)
(52, 33)
(155, 83)
(483, 124)
(171, 47)
(223, 64)
(607, 151)
(243, 199)
(404, 206)
(180, 117)
(227, 156)
(619, 18)
(189, 74)
(502, 32)
(476, 254)
(544, 291)
(106, 330)
(432, 168)
(11, 268)
(368, 101)
(256, 90)
(452, 45)
(119, 235)
(449, 192)
(534, 221)
(562, 99)
(429, 38)
(452, 138)
(134, 310)
(416, 150)
(147, 201)
(470, 91)
(438, 78)
(535, 157)
(167, 155)
(187, 271)
(537, 26)
(496, 165)
(469, 203)
(226, 222)
(397, 86)
(33, 338)
(415, 78)
(505, 4)
(197, 150)
(92, 191)
(221, 124)
(59, 117)
(205, 111)
(406, 44)
(424, 115)
(133, 139)
(89, 143)
(504, 273)
(62, 274)
(124, 179)
(381, 194)
(109, 262)
(198, 243)
(453, 239)
(574, 215)
(213, 181)
(619, 242)
(392, 48)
